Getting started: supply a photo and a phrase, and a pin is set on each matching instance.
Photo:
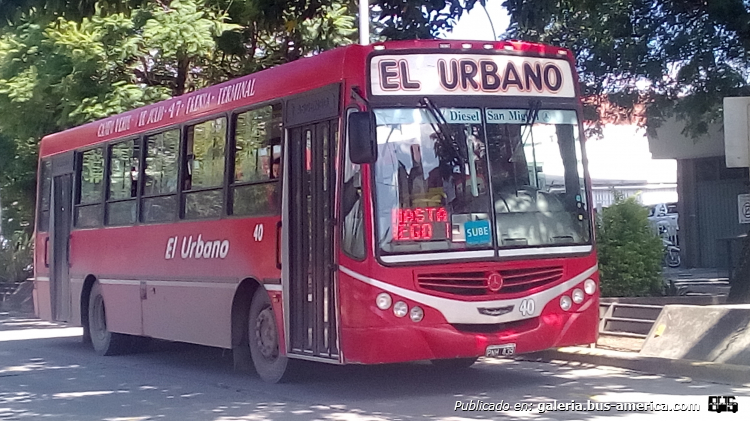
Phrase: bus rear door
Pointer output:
(60, 225)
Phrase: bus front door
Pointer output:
(311, 171)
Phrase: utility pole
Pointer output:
(364, 22)
(1, 213)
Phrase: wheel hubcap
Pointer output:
(265, 334)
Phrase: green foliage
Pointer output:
(65, 63)
(56, 73)
(675, 57)
(418, 19)
(15, 258)
(630, 254)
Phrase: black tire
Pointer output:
(263, 340)
(104, 341)
(673, 259)
(455, 363)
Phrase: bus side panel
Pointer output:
(195, 312)
(42, 303)
(123, 306)
(76, 287)
(176, 281)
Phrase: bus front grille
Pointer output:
(477, 283)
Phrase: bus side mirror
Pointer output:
(363, 146)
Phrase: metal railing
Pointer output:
(627, 320)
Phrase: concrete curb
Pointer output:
(698, 370)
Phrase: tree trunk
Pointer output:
(739, 279)
(183, 66)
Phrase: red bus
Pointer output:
(403, 201)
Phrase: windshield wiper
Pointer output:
(531, 117)
(446, 138)
(440, 127)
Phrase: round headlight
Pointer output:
(416, 314)
(400, 309)
(577, 296)
(565, 302)
(589, 286)
(383, 301)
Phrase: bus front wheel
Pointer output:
(103, 341)
(263, 340)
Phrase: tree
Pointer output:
(676, 57)
(67, 63)
(57, 73)
(630, 253)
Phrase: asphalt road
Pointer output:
(47, 374)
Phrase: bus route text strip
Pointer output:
(176, 108)
(470, 74)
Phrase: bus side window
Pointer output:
(159, 201)
(255, 188)
(204, 169)
(88, 209)
(45, 189)
(124, 167)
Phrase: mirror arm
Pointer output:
(357, 96)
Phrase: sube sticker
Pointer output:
(477, 232)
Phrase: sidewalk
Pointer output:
(697, 370)
(695, 274)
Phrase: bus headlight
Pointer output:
(400, 309)
(566, 303)
(383, 301)
(589, 286)
(577, 296)
(416, 314)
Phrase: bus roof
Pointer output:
(292, 78)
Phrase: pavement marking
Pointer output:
(25, 334)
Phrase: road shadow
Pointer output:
(61, 378)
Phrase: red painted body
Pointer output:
(190, 299)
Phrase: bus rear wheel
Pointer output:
(454, 363)
(103, 341)
(263, 339)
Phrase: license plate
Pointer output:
(500, 350)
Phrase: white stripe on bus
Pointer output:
(467, 312)
(170, 283)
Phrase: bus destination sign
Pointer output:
(470, 74)
(420, 224)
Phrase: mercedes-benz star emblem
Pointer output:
(494, 282)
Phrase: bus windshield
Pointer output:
(478, 178)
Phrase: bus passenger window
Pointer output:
(257, 162)
(88, 210)
(124, 168)
(204, 169)
(159, 202)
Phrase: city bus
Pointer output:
(403, 201)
